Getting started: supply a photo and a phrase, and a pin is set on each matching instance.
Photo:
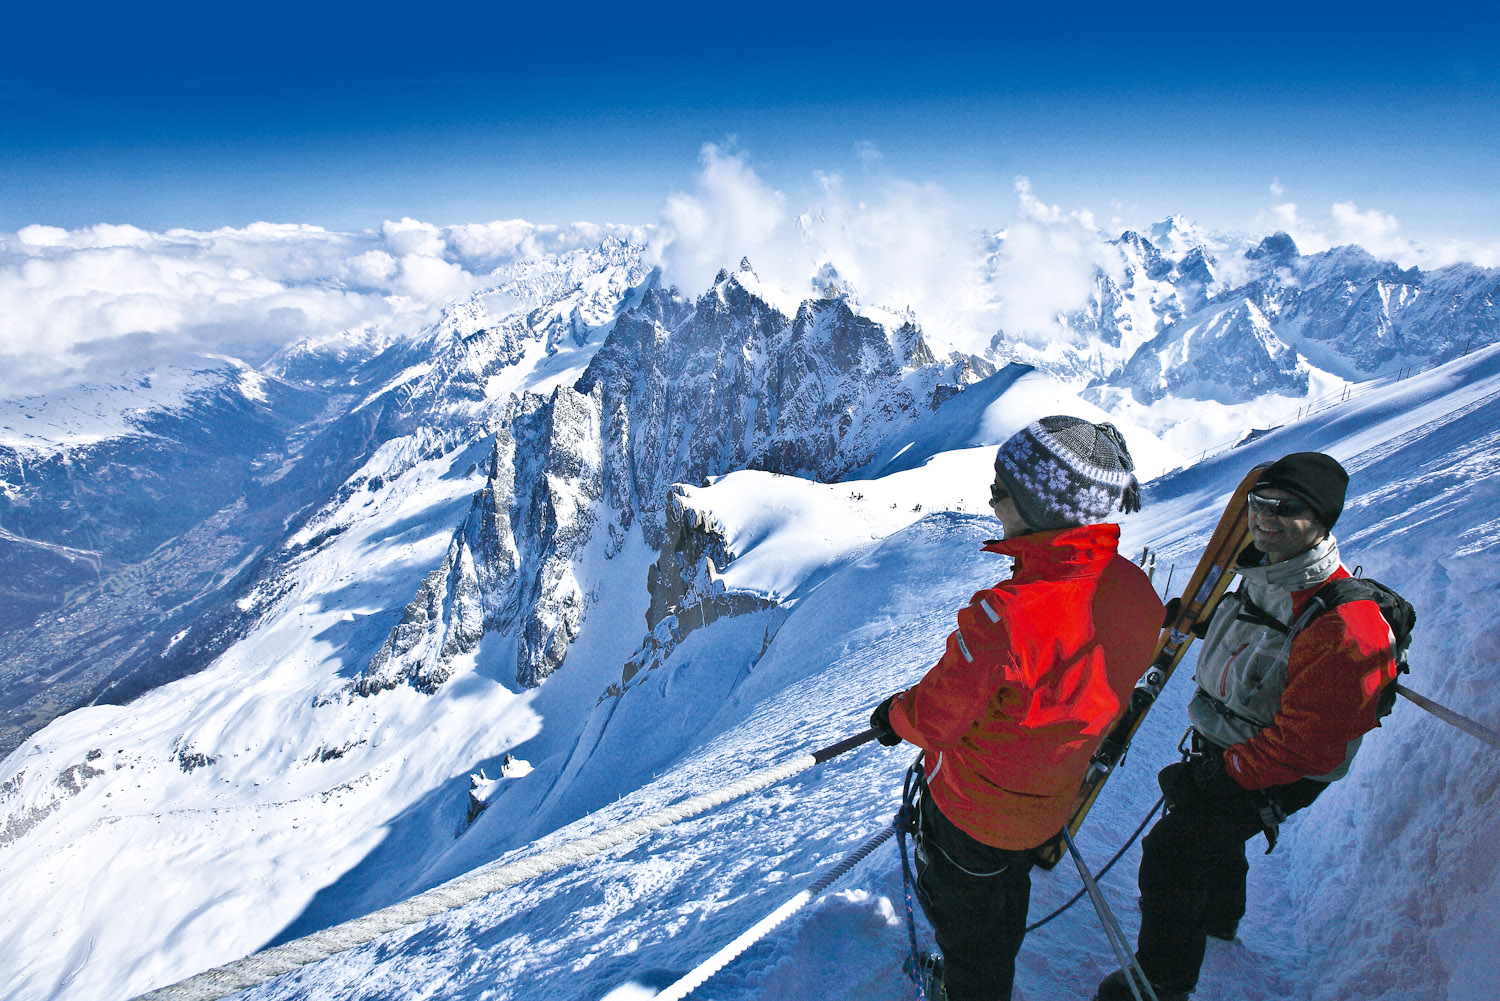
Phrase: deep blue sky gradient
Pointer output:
(346, 115)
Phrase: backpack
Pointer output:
(1396, 610)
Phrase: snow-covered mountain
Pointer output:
(143, 522)
(1276, 314)
(1202, 337)
(636, 539)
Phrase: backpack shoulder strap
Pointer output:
(1251, 612)
(1396, 610)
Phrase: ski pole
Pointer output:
(1134, 974)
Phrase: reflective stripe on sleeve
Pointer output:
(963, 648)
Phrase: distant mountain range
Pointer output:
(144, 531)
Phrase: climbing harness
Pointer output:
(256, 969)
(908, 822)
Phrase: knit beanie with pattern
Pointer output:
(1065, 471)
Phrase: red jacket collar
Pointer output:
(1064, 552)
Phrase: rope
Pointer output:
(1112, 929)
(713, 964)
(1442, 712)
(908, 821)
(1107, 867)
(256, 969)
(902, 821)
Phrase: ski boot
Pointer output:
(930, 967)
(1225, 932)
(1116, 987)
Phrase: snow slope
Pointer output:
(259, 800)
(84, 415)
(263, 798)
(996, 408)
(1387, 888)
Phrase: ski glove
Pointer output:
(1174, 606)
(1199, 628)
(1197, 781)
(880, 721)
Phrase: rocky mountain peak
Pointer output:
(1278, 248)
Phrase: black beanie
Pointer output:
(1313, 477)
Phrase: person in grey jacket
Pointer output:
(1283, 699)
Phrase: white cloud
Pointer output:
(481, 247)
(1283, 219)
(91, 303)
(909, 245)
(912, 247)
(1047, 266)
(431, 279)
(370, 270)
(412, 237)
(733, 214)
(514, 238)
(79, 300)
(1376, 231)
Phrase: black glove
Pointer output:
(1197, 780)
(880, 722)
(1173, 607)
(1199, 628)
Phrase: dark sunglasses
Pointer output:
(998, 493)
(1279, 507)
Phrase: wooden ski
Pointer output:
(1204, 588)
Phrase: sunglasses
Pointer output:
(1279, 507)
(998, 493)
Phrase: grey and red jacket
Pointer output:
(1038, 670)
(1289, 703)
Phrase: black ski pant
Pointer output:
(1192, 877)
(976, 897)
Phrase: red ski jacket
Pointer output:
(1038, 670)
(1335, 670)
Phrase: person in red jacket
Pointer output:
(1038, 670)
(1281, 705)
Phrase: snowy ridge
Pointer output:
(85, 415)
(1194, 319)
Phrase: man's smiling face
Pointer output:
(1283, 530)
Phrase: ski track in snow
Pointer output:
(1388, 887)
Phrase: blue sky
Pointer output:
(341, 115)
